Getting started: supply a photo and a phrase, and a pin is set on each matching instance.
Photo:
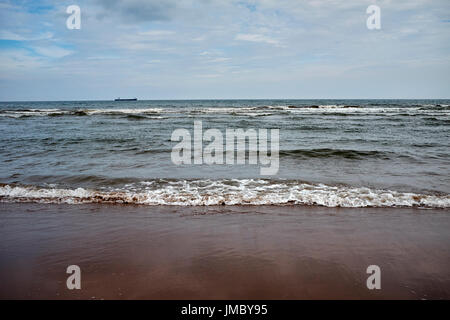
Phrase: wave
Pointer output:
(439, 110)
(143, 117)
(78, 112)
(227, 192)
(338, 153)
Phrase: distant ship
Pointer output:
(119, 99)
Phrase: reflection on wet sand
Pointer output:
(293, 252)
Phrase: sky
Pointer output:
(224, 49)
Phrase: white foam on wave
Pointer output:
(123, 111)
(372, 110)
(244, 110)
(50, 112)
(227, 192)
(32, 112)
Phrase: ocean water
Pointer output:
(349, 153)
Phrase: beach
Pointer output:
(222, 252)
(239, 152)
(94, 184)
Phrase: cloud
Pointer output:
(220, 59)
(227, 47)
(156, 34)
(256, 38)
(13, 59)
(52, 51)
(200, 38)
(8, 35)
(134, 11)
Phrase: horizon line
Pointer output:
(212, 99)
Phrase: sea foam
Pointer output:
(227, 192)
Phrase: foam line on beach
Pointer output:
(227, 192)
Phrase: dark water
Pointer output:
(351, 153)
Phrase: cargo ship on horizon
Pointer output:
(129, 99)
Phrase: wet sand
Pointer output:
(274, 252)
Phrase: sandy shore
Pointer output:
(291, 252)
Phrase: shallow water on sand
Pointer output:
(231, 252)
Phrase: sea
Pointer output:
(332, 153)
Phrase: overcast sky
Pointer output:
(189, 49)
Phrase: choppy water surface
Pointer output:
(351, 153)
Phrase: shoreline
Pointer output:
(229, 192)
(222, 252)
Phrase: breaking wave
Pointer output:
(226, 192)
(133, 113)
